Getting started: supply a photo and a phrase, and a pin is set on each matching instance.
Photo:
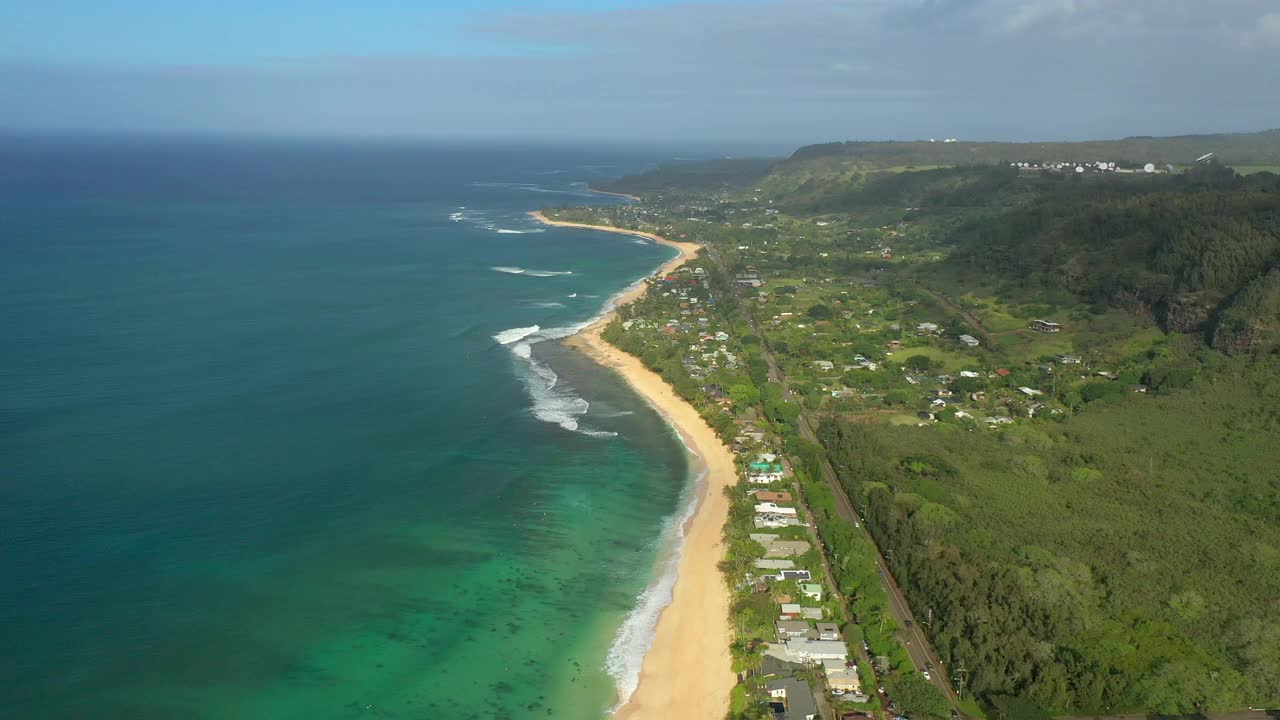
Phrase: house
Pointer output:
(785, 548)
(811, 613)
(969, 341)
(775, 521)
(928, 328)
(968, 374)
(828, 631)
(812, 591)
(770, 496)
(791, 699)
(842, 678)
(1045, 326)
(790, 611)
(1003, 372)
(824, 365)
(792, 628)
(1029, 392)
(763, 538)
(769, 508)
(815, 651)
(775, 564)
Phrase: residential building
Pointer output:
(815, 651)
(791, 699)
(828, 631)
(969, 341)
(1045, 326)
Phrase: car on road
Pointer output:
(909, 624)
(926, 674)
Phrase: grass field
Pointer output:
(947, 360)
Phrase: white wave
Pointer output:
(553, 401)
(575, 189)
(598, 433)
(634, 637)
(640, 241)
(548, 305)
(507, 231)
(572, 295)
(531, 273)
(506, 337)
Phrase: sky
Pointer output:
(765, 71)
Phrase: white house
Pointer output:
(815, 651)
(770, 508)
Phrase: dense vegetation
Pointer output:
(1262, 148)
(1127, 558)
(1185, 248)
(727, 173)
(1090, 516)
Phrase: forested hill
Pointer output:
(1200, 251)
(1260, 148)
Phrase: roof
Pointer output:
(815, 649)
(792, 627)
(811, 587)
(775, 564)
(800, 704)
(828, 627)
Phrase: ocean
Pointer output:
(284, 433)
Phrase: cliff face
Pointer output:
(1251, 321)
(1187, 313)
(1235, 340)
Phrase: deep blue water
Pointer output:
(261, 455)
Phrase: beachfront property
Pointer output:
(768, 564)
(771, 496)
(775, 521)
(771, 508)
(815, 651)
(766, 469)
(791, 699)
(785, 548)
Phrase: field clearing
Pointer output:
(948, 360)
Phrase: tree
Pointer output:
(920, 363)
(916, 696)
(820, 312)
(744, 395)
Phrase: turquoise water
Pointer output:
(262, 456)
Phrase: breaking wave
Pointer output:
(635, 636)
(553, 401)
(510, 270)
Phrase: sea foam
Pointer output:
(553, 401)
(512, 270)
(635, 636)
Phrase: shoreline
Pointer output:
(614, 194)
(686, 672)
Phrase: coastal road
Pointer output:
(909, 634)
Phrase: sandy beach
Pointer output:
(686, 673)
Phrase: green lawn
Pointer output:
(948, 360)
